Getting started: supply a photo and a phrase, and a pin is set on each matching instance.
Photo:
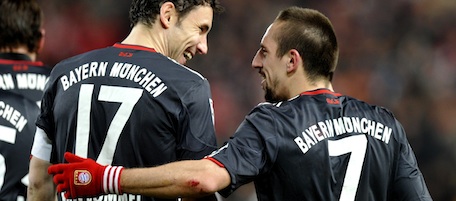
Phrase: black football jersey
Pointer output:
(20, 75)
(127, 105)
(323, 146)
(17, 129)
(22, 82)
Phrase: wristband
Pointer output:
(111, 180)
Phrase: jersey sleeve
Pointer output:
(42, 146)
(45, 119)
(408, 181)
(251, 151)
(198, 133)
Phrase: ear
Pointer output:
(294, 61)
(167, 12)
(40, 46)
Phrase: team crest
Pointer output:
(82, 177)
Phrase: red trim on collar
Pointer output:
(21, 62)
(321, 91)
(135, 47)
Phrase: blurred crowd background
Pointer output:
(400, 54)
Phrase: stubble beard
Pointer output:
(271, 96)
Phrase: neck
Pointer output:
(20, 50)
(147, 37)
(310, 86)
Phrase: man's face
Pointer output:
(271, 67)
(189, 36)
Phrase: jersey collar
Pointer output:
(134, 47)
(320, 91)
(18, 59)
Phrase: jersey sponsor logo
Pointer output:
(31, 81)
(20, 67)
(125, 54)
(110, 197)
(82, 177)
(146, 79)
(13, 116)
(333, 101)
(343, 125)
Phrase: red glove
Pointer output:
(85, 178)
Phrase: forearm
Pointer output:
(180, 179)
(194, 178)
(41, 187)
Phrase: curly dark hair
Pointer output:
(146, 11)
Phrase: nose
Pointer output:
(256, 62)
(202, 46)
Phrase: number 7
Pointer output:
(356, 145)
(127, 96)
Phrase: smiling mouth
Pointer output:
(263, 78)
(262, 74)
(188, 55)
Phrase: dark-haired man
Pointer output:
(22, 81)
(306, 143)
(134, 104)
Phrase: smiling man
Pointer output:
(134, 104)
(307, 143)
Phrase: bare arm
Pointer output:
(41, 187)
(194, 178)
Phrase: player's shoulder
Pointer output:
(270, 107)
(354, 106)
(369, 106)
(69, 61)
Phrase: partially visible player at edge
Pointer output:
(22, 81)
(309, 144)
(134, 104)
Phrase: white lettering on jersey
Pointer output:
(13, 116)
(92, 69)
(31, 81)
(24, 81)
(110, 197)
(6, 82)
(343, 125)
(146, 79)
(143, 77)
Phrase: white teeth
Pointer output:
(188, 55)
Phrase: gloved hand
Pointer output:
(85, 178)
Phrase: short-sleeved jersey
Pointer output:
(127, 105)
(20, 75)
(17, 129)
(322, 146)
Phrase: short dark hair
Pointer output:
(146, 11)
(20, 24)
(312, 35)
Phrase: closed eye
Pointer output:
(204, 28)
(263, 51)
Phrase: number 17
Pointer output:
(127, 96)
